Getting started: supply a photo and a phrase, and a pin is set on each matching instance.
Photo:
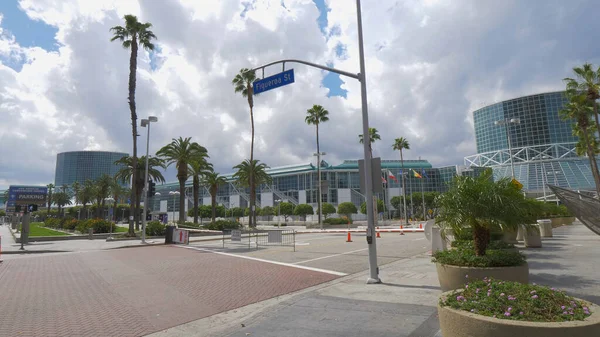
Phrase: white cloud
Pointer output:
(429, 64)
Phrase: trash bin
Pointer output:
(169, 234)
(545, 228)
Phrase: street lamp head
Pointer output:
(515, 120)
(152, 118)
(157, 193)
(498, 123)
(145, 122)
(174, 192)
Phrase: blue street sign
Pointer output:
(274, 81)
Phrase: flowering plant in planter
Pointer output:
(517, 301)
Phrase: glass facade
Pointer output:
(542, 145)
(83, 165)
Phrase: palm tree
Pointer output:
(102, 191)
(242, 83)
(373, 136)
(314, 116)
(76, 187)
(247, 172)
(50, 188)
(199, 167)
(580, 108)
(181, 152)
(126, 173)
(61, 199)
(587, 83)
(117, 192)
(399, 145)
(213, 180)
(133, 34)
(86, 194)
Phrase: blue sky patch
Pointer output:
(27, 32)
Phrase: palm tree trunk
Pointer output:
(480, 239)
(138, 199)
(131, 98)
(115, 210)
(213, 203)
(596, 116)
(251, 178)
(403, 185)
(320, 210)
(181, 201)
(196, 194)
(593, 162)
(49, 200)
(102, 208)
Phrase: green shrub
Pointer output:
(468, 244)
(220, 225)
(98, 226)
(336, 221)
(516, 301)
(466, 233)
(52, 223)
(495, 236)
(467, 258)
(155, 228)
(70, 224)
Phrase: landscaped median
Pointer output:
(492, 308)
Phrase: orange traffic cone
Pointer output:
(401, 230)
(349, 238)
(420, 226)
(378, 235)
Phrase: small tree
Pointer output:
(237, 211)
(267, 211)
(286, 209)
(327, 209)
(380, 207)
(304, 210)
(347, 209)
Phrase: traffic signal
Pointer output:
(151, 188)
(32, 208)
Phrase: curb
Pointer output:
(15, 252)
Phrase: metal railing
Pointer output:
(257, 238)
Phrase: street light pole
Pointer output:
(146, 122)
(319, 200)
(506, 123)
(373, 268)
(174, 193)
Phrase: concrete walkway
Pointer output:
(404, 305)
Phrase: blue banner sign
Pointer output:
(275, 81)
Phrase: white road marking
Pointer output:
(328, 256)
(420, 239)
(268, 261)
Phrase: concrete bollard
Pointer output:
(91, 233)
(532, 237)
(520, 235)
(545, 228)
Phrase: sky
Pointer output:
(429, 65)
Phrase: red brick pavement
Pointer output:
(133, 292)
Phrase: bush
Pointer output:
(70, 224)
(98, 225)
(466, 234)
(493, 245)
(52, 223)
(220, 225)
(336, 221)
(155, 228)
(467, 258)
(516, 301)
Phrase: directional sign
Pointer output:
(274, 81)
(25, 195)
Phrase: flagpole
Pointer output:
(412, 206)
(423, 194)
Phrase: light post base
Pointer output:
(110, 238)
(371, 280)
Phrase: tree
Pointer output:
(199, 168)
(380, 207)
(327, 209)
(579, 108)
(131, 36)
(127, 173)
(373, 136)
(102, 191)
(181, 152)
(303, 210)
(61, 199)
(118, 193)
(347, 209)
(399, 145)
(75, 188)
(242, 83)
(2, 212)
(286, 209)
(213, 180)
(237, 211)
(50, 188)
(588, 84)
(204, 211)
(314, 116)
(251, 172)
(86, 194)
(267, 211)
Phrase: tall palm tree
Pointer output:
(61, 199)
(199, 168)
(76, 187)
(242, 83)
(213, 180)
(126, 173)
(181, 152)
(399, 145)
(580, 108)
(118, 193)
(50, 188)
(86, 195)
(131, 36)
(102, 191)
(248, 171)
(314, 116)
(373, 136)
(587, 83)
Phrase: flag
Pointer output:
(423, 173)
(416, 174)
(391, 176)
(383, 180)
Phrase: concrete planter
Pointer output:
(510, 237)
(454, 277)
(520, 234)
(459, 323)
(532, 237)
(545, 228)
(564, 221)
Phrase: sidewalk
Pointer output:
(404, 305)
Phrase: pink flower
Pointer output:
(501, 294)
(507, 314)
(477, 291)
(564, 312)
(467, 286)
(472, 310)
(521, 313)
(532, 292)
(534, 296)
(509, 309)
(562, 307)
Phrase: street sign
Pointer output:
(236, 235)
(25, 195)
(517, 183)
(272, 82)
(375, 175)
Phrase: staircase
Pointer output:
(245, 196)
(283, 196)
